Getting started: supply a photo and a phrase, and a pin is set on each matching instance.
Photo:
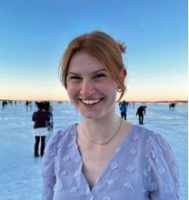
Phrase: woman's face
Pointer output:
(90, 87)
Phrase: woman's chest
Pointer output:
(112, 175)
(95, 163)
(103, 172)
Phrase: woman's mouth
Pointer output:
(90, 101)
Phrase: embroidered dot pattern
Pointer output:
(125, 170)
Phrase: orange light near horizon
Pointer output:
(60, 94)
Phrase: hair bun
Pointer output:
(122, 47)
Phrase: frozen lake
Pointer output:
(20, 172)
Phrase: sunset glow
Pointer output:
(34, 36)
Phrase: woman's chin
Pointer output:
(90, 115)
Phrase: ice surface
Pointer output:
(20, 172)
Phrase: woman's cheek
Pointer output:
(72, 91)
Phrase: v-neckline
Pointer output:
(107, 167)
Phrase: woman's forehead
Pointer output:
(83, 60)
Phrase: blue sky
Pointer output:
(34, 34)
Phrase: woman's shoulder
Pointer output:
(64, 133)
(150, 138)
(156, 147)
(58, 140)
(142, 133)
(61, 137)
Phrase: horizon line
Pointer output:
(131, 101)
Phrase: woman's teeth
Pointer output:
(90, 101)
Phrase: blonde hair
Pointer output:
(103, 47)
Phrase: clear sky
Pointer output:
(34, 34)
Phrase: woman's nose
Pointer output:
(87, 88)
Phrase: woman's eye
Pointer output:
(74, 78)
(99, 76)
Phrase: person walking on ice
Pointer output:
(141, 111)
(41, 119)
(123, 109)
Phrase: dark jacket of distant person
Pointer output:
(141, 110)
(40, 117)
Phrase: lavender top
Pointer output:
(142, 168)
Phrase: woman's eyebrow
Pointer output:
(73, 73)
(94, 72)
(100, 70)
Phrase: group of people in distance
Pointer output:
(140, 111)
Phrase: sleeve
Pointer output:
(164, 179)
(33, 117)
(48, 168)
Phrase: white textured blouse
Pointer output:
(142, 168)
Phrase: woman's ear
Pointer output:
(123, 73)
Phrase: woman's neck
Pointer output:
(101, 131)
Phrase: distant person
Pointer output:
(172, 106)
(28, 104)
(104, 157)
(140, 113)
(41, 120)
(4, 104)
(123, 109)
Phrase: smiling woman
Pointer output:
(92, 91)
(100, 158)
